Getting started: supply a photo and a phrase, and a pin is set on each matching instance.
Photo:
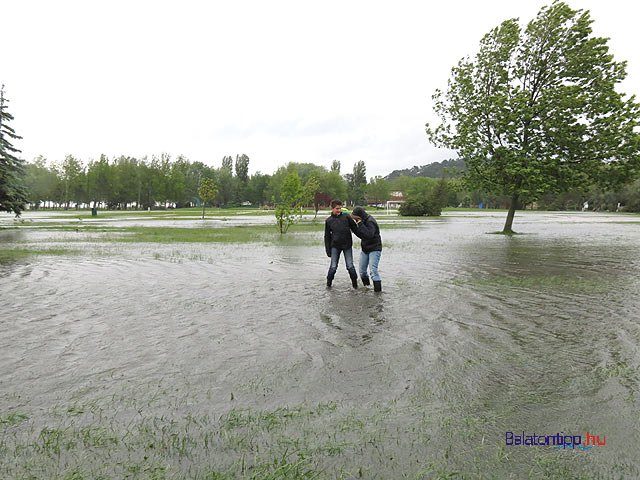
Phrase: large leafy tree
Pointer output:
(537, 110)
(13, 194)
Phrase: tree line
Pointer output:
(126, 182)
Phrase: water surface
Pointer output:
(176, 360)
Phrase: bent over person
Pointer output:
(337, 240)
(369, 232)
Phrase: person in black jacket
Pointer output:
(369, 232)
(337, 239)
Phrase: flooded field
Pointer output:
(143, 359)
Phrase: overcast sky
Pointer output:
(277, 80)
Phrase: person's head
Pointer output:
(336, 207)
(359, 212)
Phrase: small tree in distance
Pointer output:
(207, 192)
(289, 210)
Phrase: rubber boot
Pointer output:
(377, 285)
(365, 281)
(329, 281)
(354, 280)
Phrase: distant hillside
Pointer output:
(433, 170)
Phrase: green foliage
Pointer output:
(207, 191)
(311, 187)
(357, 182)
(412, 207)
(242, 168)
(421, 186)
(227, 164)
(73, 179)
(303, 170)
(426, 197)
(13, 194)
(537, 111)
(333, 185)
(401, 184)
(378, 190)
(256, 188)
(40, 181)
(289, 210)
(242, 177)
(418, 207)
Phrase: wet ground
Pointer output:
(179, 360)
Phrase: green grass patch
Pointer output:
(233, 234)
(13, 419)
(10, 254)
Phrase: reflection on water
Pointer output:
(475, 335)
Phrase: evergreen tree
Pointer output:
(13, 194)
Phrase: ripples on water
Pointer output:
(478, 333)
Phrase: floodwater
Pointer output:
(234, 357)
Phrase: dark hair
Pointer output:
(335, 203)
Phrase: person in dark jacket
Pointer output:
(337, 240)
(369, 232)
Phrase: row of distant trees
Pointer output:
(127, 182)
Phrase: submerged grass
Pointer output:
(233, 234)
(9, 254)
(298, 234)
(411, 436)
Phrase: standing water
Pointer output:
(191, 360)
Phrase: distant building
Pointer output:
(396, 199)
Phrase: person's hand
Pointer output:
(356, 218)
(329, 254)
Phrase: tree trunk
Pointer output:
(512, 211)
(203, 210)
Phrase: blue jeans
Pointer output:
(370, 260)
(348, 259)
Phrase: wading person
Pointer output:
(337, 240)
(369, 232)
